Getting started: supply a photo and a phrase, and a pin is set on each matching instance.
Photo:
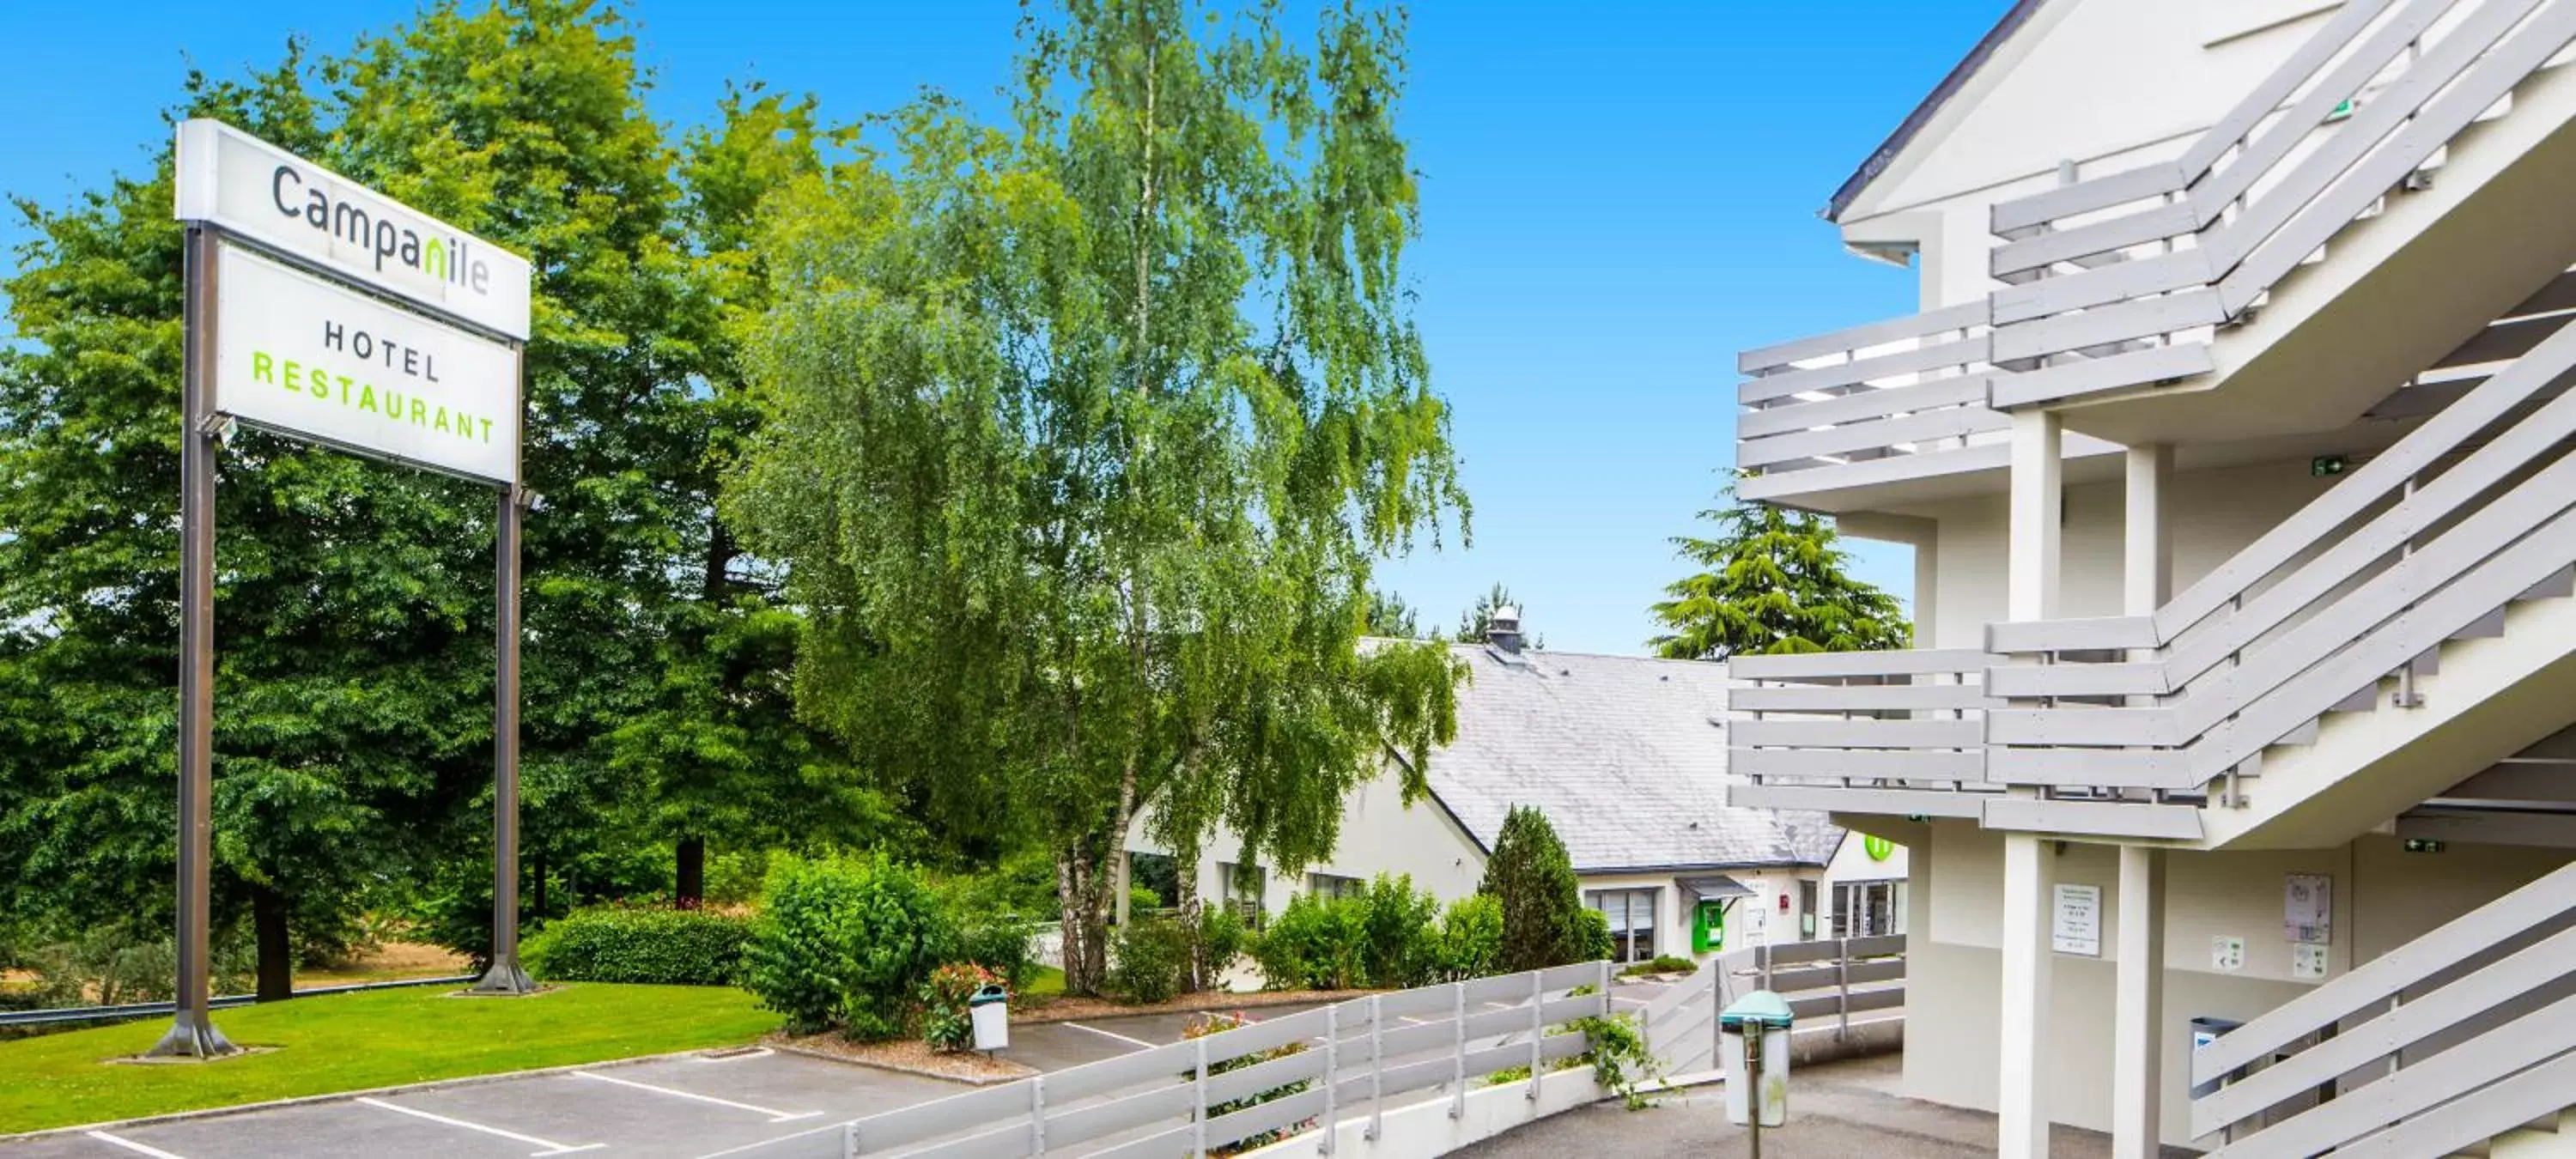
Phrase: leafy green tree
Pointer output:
(1476, 624)
(1772, 581)
(1085, 430)
(1544, 920)
(354, 624)
(1389, 617)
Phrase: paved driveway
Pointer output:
(1836, 1111)
(682, 1108)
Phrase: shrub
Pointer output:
(1148, 958)
(657, 946)
(1315, 943)
(947, 1022)
(1399, 949)
(1470, 939)
(1223, 938)
(846, 942)
(1544, 921)
(1665, 964)
(997, 942)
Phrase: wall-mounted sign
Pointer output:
(2307, 908)
(299, 355)
(1877, 848)
(2077, 928)
(2226, 954)
(249, 187)
(2307, 961)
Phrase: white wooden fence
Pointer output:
(1352, 1060)
(1825, 982)
(1355, 1061)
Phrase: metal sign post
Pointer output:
(505, 975)
(192, 1031)
(360, 324)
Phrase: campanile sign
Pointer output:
(322, 310)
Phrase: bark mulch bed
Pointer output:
(908, 1055)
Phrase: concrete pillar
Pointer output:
(2021, 1106)
(2038, 503)
(2138, 1012)
(2148, 558)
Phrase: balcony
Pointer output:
(2423, 144)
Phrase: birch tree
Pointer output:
(1084, 430)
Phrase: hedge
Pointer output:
(658, 946)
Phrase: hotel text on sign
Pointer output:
(301, 356)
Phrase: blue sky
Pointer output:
(1617, 197)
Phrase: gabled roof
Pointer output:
(1960, 74)
(1626, 756)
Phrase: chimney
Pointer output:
(1503, 630)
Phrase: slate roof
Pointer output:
(1627, 756)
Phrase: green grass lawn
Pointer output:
(1048, 980)
(347, 1042)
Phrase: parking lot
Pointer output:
(692, 1107)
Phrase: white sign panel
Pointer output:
(2307, 908)
(2078, 925)
(297, 354)
(2307, 961)
(2226, 954)
(249, 187)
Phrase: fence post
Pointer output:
(1458, 1050)
(1762, 961)
(1377, 1066)
(1538, 1031)
(1037, 1114)
(1842, 989)
(1332, 1075)
(1198, 1117)
(850, 1140)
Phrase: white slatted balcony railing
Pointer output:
(2459, 1037)
(2431, 541)
(1899, 733)
(2123, 282)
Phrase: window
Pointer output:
(1632, 921)
(1243, 888)
(1158, 873)
(1806, 909)
(1867, 909)
(1334, 885)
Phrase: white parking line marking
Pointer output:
(775, 1116)
(131, 1145)
(551, 1147)
(1112, 1034)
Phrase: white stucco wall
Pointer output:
(1380, 834)
(2383, 898)
(2152, 74)
(2215, 515)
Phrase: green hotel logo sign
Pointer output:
(1878, 848)
(254, 190)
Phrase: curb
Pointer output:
(352, 1096)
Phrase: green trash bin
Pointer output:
(1753, 1050)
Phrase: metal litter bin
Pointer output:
(990, 1008)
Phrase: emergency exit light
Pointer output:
(2422, 845)
(2324, 465)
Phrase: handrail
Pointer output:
(2242, 656)
(65, 1014)
(2452, 1014)
(2099, 304)
(1332, 1064)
